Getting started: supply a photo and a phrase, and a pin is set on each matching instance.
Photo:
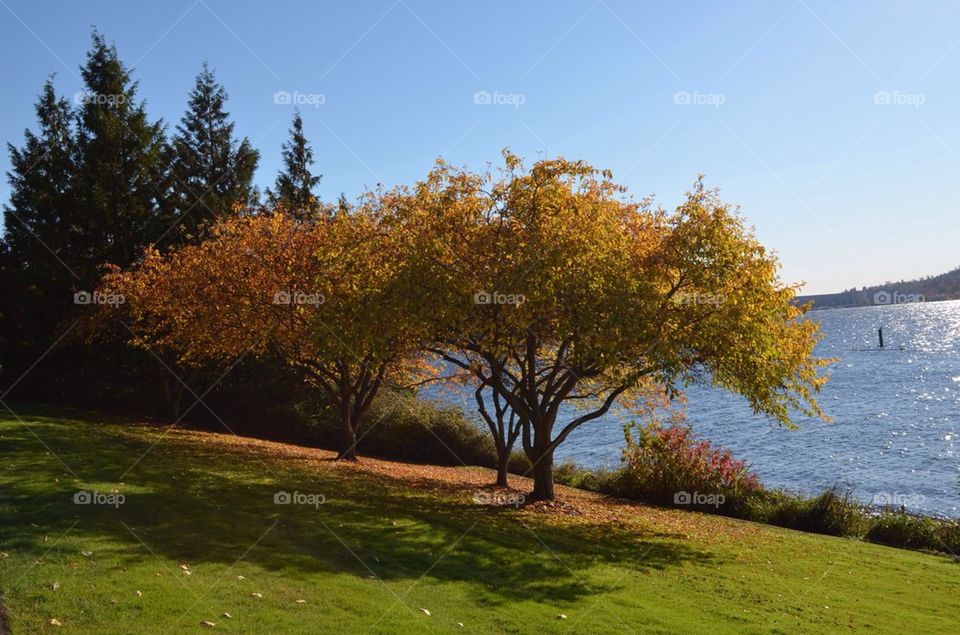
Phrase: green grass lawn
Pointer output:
(380, 549)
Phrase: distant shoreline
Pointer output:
(941, 288)
(823, 307)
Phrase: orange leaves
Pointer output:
(316, 294)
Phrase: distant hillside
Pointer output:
(946, 286)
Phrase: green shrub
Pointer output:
(400, 426)
(570, 474)
(950, 537)
(898, 529)
(830, 513)
(774, 507)
(600, 480)
(519, 463)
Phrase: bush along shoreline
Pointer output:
(667, 466)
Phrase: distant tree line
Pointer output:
(945, 286)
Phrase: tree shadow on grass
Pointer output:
(189, 502)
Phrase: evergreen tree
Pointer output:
(122, 181)
(211, 171)
(40, 233)
(295, 183)
(41, 216)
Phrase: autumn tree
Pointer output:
(455, 259)
(568, 298)
(322, 296)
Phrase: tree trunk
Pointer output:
(348, 443)
(177, 399)
(503, 462)
(543, 477)
(348, 447)
(172, 391)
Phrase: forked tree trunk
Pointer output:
(503, 431)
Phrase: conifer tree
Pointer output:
(123, 182)
(41, 212)
(211, 171)
(294, 186)
(38, 265)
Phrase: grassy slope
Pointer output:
(384, 546)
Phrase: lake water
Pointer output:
(896, 414)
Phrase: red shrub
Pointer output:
(663, 462)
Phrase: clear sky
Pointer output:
(834, 125)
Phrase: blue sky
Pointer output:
(834, 125)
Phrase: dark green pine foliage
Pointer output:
(293, 190)
(122, 181)
(39, 268)
(40, 221)
(212, 173)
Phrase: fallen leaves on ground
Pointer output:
(573, 506)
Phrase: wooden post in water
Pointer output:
(880, 335)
